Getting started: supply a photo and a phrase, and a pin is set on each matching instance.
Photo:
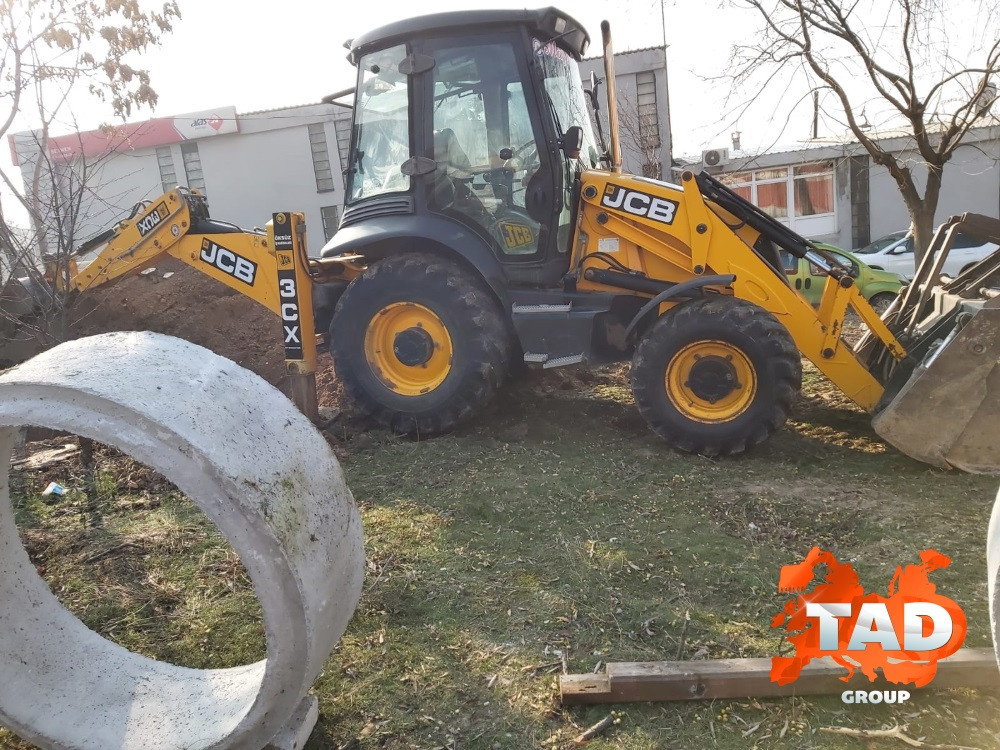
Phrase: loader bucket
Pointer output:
(948, 412)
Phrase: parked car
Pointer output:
(899, 257)
(878, 287)
(882, 242)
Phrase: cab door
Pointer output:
(489, 173)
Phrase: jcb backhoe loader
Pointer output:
(489, 232)
(484, 223)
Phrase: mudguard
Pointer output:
(424, 233)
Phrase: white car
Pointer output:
(898, 256)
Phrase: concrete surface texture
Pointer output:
(258, 469)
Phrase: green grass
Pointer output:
(555, 526)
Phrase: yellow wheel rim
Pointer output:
(408, 348)
(711, 381)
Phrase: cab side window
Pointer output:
(484, 145)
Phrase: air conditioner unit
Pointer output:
(715, 157)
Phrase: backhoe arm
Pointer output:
(272, 268)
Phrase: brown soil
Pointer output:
(194, 307)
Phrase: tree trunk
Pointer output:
(922, 213)
(922, 217)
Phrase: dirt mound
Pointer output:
(191, 306)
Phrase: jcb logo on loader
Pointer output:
(639, 204)
(152, 220)
(228, 262)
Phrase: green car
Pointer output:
(878, 287)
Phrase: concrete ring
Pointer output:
(257, 468)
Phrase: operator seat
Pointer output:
(451, 184)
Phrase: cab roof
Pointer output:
(549, 23)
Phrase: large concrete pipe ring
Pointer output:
(258, 469)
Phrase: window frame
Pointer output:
(792, 175)
(319, 129)
(191, 147)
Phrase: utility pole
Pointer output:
(667, 174)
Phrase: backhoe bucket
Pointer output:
(948, 413)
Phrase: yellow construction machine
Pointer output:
(485, 224)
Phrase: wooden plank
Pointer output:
(629, 682)
(46, 457)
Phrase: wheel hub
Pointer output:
(713, 378)
(408, 348)
(711, 381)
(413, 347)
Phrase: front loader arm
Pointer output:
(673, 234)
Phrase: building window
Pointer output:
(646, 130)
(192, 165)
(813, 189)
(320, 157)
(330, 221)
(649, 118)
(342, 126)
(168, 175)
(800, 196)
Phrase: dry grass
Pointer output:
(553, 528)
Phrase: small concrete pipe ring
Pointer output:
(257, 468)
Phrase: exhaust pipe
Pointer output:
(609, 77)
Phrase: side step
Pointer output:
(547, 362)
(540, 309)
(556, 333)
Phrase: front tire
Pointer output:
(419, 344)
(716, 376)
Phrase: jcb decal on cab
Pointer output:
(152, 220)
(639, 204)
(228, 262)
(516, 235)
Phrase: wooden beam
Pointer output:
(631, 682)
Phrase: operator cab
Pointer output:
(475, 126)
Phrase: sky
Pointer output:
(227, 53)
(255, 56)
(292, 52)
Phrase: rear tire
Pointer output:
(419, 344)
(716, 376)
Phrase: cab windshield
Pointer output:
(564, 93)
(381, 136)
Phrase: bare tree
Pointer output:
(53, 51)
(928, 67)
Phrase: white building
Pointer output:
(643, 108)
(833, 192)
(249, 165)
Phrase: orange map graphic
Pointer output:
(841, 584)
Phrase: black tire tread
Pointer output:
(726, 313)
(471, 301)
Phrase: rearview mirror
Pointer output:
(572, 141)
